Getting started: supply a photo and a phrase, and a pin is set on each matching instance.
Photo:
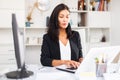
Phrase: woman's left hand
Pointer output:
(71, 63)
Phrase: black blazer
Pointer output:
(50, 49)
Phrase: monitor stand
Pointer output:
(23, 73)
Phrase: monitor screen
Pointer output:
(18, 38)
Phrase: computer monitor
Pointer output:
(18, 38)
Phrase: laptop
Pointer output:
(88, 64)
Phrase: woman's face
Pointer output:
(63, 19)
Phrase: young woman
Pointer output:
(61, 45)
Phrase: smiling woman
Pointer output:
(61, 45)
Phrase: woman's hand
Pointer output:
(68, 63)
(71, 63)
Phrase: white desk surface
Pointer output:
(47, 73)
(44, 73)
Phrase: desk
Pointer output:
(44, 73)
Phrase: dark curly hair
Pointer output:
(53, 25)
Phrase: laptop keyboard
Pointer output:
(72, 68)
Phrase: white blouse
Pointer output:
(65, 51)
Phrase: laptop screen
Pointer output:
(109, 54)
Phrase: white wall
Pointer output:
(115, 22)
